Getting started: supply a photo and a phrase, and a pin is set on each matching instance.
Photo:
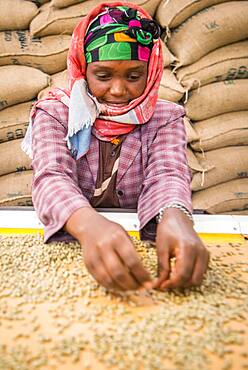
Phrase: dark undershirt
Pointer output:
(108, 154)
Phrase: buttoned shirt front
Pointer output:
(152, 170)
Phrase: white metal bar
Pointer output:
(213, 224)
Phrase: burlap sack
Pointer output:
(192, 135)
(14, 121)
(240, 213)
(229, 129)
(39, 2)
(19, 201)
(217, 98)
(53, 21)
(57, 80)
(208, 30)
(170, 89)
(222, 198)
(65, 3)
(19, 84)
(229, 163)
(171, 13)
(16, 14)
(168, 57)
(13, 159)
(47, 53)
(149, 5)
(15, 189)
(193, 162)
(226, 63)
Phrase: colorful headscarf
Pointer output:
(120, 34)
(85, 112)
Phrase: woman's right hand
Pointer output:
(109, 253)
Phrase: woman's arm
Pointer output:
(55, 191)
(167, 180)
(109, 253)
(166, 176)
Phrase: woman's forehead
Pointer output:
(118, 65)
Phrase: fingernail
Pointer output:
(158, 280)
(148, 285)
(156, 283)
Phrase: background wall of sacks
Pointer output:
(206, 70)
(209, 41)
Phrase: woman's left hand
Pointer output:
(177, 238)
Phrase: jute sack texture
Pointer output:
(39, 2)
(171, 13)
(19, 84)
(208, 30)
(47, 53)
(229, 129)
(53, 21)
(217, 98)
(16, 14)
(226, 63)
(168, 57)
(228, 164)
(57, 80)
(193, 162)
(13, 159)
(192, 135)
(243, 212)
(150, 5)
(170, 89)
(231, 196)
(19, 201)
(15, 189)
(14, 121)
(65, 3)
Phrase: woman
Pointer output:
(108, 142)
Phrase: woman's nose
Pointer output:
(118, 88)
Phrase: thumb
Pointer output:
(163, 257)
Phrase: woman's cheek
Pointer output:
(137, 89)
(97, 88)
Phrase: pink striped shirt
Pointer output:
(152, 170)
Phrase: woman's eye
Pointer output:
(103, 76)
(134, 77)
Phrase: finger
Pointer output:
(96, 268)
(118, 272)
(130, 258)
(184, 268)
(163, 256)
(200, 268)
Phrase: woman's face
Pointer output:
(116, 83)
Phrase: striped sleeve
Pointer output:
(167, 175)
(55, 191)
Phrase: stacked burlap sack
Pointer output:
(210, 42)
(21, 79)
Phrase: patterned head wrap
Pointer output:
(86, 114)
(120, 33)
